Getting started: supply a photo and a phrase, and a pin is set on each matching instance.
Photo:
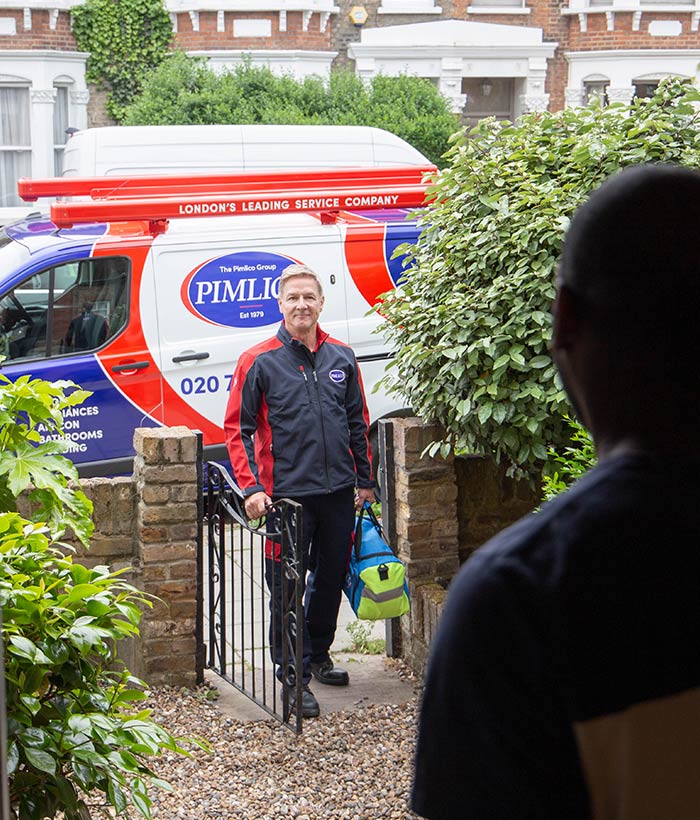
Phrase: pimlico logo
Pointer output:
(236, 290)
(337, 376)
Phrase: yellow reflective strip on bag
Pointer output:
(370, 611)
(381, 597)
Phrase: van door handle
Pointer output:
(117, 368)
(190, 357)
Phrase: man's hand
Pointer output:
(256, 505)
(366, 494)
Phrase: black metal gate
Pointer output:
(242, 568)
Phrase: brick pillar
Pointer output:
(426, 530)
(165, 472)
(426, 503)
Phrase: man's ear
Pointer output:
(566, 327)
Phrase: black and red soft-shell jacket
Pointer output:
(297, 423)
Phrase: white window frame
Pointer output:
(498, 7)
(409, 7)
(638, 8)
(60, 138)
(6, 148)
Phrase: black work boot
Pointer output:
(329, 674)
(309, 704)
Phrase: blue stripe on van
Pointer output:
(103, 426)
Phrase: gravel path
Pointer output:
(352, 765)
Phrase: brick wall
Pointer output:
(626, 33)
(209, 37)
(40, 35)
(147, 524)
(96, 113)
(444, 510)
(623, 35)
(487, 501)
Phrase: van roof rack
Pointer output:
(167, 184)
(158, 199)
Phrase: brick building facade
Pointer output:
(500, 57)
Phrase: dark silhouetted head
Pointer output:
(626, 317)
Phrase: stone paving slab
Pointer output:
(371, 682)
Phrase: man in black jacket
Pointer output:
(297, 427)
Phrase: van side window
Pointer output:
(77, 306)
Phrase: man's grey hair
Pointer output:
(299, 270)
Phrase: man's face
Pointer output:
(301, 305)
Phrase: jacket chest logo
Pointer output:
(336, 376)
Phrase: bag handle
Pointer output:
(357, 542)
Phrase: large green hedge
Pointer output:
(183, 90)
(471, 324)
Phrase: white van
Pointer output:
(205, 149)
(147, 292)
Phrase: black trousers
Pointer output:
(328, 523)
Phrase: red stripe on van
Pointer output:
(366, 260)
(141, 386)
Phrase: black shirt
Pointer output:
(580, 610)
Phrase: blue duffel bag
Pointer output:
(376, 583)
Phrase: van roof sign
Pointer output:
(160, 209)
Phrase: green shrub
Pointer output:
(184, 91)
(71, 730)
(29, 410)
(471, 324)
(567, 465)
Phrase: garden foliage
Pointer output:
(570, 463)
(471, 323)
(72, 729)
(71, 726)
(183, 90)
(31, 410)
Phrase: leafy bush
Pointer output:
(568, 465)
(471, 324)
(184, 91)
(125, 41)
(29, 410)
(70, 731)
